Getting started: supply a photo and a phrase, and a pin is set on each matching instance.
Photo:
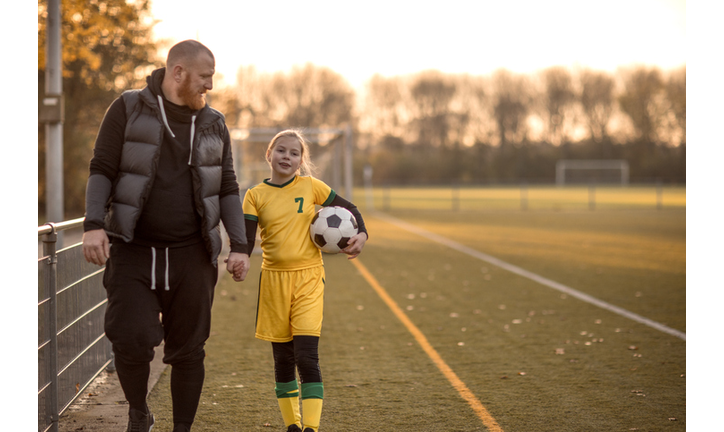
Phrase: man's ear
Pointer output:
(178, 73)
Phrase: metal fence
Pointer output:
(72, 346)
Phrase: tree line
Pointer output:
(423, 128)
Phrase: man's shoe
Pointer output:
(181, 428)
(308, 430)
(294, 428)
(139, 421)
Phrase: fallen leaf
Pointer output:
(560, 351)
(461, 343)
(672, 418)
(633, 347)
(521, 373)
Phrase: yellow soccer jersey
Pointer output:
(284, 213)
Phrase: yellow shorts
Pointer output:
(290, 304)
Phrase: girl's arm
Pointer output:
(357, 242)
(251, 227)
(338, 201)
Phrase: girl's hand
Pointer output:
(355, 245)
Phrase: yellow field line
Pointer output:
(456, 382)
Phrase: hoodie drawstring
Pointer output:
(193, 130)
(163, 115)
(165, 122)
(167, 287)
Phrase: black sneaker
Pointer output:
(139, 421)
(294, 428)
(308, 430)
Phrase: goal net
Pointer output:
(587, 171)
(330, 149)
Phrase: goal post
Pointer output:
(595, 169)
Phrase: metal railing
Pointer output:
(72, 346)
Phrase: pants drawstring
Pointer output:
(153, 268)
(167, 286)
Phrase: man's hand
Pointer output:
(96, 247)
(355, 245)
(238, 265)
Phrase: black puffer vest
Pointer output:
(139, 160)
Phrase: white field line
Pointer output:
(532, 276)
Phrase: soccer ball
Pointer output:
(331, 228)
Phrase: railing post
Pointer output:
(455, 197)
(524, 196)
(49, 250)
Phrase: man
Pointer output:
(161, 179)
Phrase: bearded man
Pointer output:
(161, 179)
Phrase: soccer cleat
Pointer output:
(181, 428)
(308, 430)
(139, 421)
(294, 428)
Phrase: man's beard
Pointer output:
(190, 98)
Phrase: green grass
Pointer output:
(530, 197)
(536, 359)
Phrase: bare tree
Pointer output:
(511, 106)
(557, 100)
(431, 93)
(641, 101)
(676, 96)
(597, 101)
(384, 113)
(306, 96)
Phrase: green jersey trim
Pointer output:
(330, 198)
(269, 183)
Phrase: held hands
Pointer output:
(96, 247)
(238, 265)
(355, 245)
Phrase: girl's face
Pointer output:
(285, 159)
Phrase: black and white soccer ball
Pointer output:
(331, 229)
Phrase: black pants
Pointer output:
(157, 295)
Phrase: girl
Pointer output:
(291, 286)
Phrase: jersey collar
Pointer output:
(268, 182)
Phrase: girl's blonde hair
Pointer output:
(306, 167)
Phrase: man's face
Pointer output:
(198, 79)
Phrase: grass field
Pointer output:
(534, 358)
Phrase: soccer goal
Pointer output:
(331, 150)
(587, 171)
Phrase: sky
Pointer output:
(358, 39)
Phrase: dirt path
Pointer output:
(102, 407)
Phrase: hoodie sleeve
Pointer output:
(232, 214)
(104, 164)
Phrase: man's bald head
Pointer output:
(186, 52)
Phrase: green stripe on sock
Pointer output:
(313, 390)
(283, 389)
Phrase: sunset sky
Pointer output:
(358, 39)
